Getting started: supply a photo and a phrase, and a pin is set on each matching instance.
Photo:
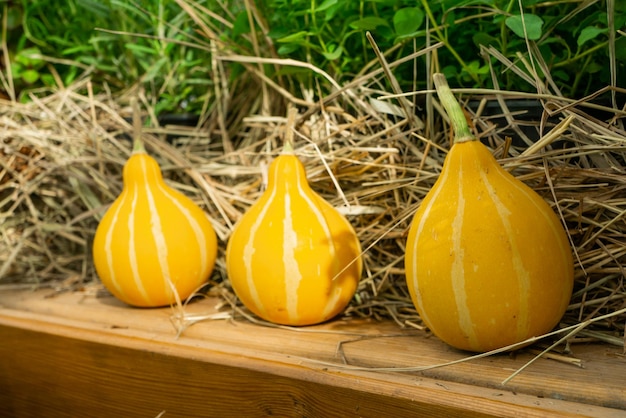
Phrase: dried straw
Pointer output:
(374, 154)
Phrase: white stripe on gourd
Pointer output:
(523, 276)
(249, 251)
(157, 236)
(412, 249)
(458, 270)
(185, 215)
(292, 273)
(108, 244)
(132, 251)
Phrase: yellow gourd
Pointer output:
(488, 263)
(154, 246)
(292, 258)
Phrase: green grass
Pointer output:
(168, 46)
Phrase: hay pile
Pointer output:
(372, 153)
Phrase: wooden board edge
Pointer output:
(388, 391)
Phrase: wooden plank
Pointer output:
(63, 377)
(76, 353)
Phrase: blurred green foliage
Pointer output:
(572, 37)
(160, 45)
(140, 44)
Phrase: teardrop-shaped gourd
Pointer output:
(292, 258)
(488, 263)
(154, 246)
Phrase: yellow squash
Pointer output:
(488, 263)
(292, 258)
(154, 246)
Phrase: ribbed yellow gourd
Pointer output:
(488, 263)
(292, 258)
(154, 246)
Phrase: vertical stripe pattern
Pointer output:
(458, 275)
(287, 256)
(154, 246)
(488, 263)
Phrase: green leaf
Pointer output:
(450, 72)
(326, 4)
(450, 17)
(278, 32)
(141, 49)
(333, 55)
(620, 19)
(199, 82)
(76, 49)
(474, 69)
(594, 67)
(49, 80)
(70, 76)
(532, 22)
(389, 3)
(98, 8)
(294, 37)
(560, 74)
(589, 33)
(407, 20)
(482, 38)
(58, 40)
(241, 24)
(287, 49)
(155, 69)
(332, 11)
(16, 69)
(30, 76)
(456, 3)
(27, 57)
(368, 23)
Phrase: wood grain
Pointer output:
(75, 355)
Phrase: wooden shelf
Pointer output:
(72, 354)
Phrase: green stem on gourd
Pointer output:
(138, 147)
(460, 126)
(291, 123)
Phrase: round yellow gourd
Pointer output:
(154, 246)
(488, 263)
(292, 258)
